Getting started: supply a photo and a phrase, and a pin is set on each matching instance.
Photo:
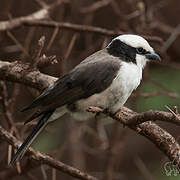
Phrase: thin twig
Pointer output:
(143, 169)
(41, 14)
(85, 28)
(71, 44)
(175, 33)
(18, 43)
(6, 106)
(56, 30)
(95, 6)
(173, 113)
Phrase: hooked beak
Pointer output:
(153, 56)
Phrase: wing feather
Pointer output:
(86, 79)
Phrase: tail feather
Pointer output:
(28, 141)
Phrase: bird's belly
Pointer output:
(112, 99)
(127, 79)
(78, 109)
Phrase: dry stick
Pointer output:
(175, 33)
(45, 159)
(84, 28)
(9, 157)
(27, 42)
(38, 52)
(56, 30)
(34, 19)
(115, 7)
(41, 3)
(20, 73)
(31, 176)
(17, 22)
(12, 172)
(153, 116)
(53, 174)
(95, 6)
(71, 44)
(116, 151)
(74, 27)
(9, 153)
(143, 169)
(5, 106)
(40, 60)
(173, 113)
(17, 43)
(162, 139)
(164, 28)
(44, 173)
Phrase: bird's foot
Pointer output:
(94, 109)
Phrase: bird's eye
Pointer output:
(140, 50)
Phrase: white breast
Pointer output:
(128, 79)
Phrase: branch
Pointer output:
(74, 27)
(40, 61)
(16, 22)
(35, 19)
(153, 116)
(45, 159)
(84, 28)
(175, 33)
(158, 136)
(95, 6)
(22, 73)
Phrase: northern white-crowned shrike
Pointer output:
(105, 79)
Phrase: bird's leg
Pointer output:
(97, 110)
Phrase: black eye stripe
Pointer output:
(118, 48)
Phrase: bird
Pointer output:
(105, 79)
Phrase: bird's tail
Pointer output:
(28, 141)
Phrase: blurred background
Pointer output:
(107, 151)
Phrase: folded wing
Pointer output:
(83, 81)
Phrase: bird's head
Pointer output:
(132, 48)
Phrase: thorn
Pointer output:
(174, 113)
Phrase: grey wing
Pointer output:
(83, 81)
